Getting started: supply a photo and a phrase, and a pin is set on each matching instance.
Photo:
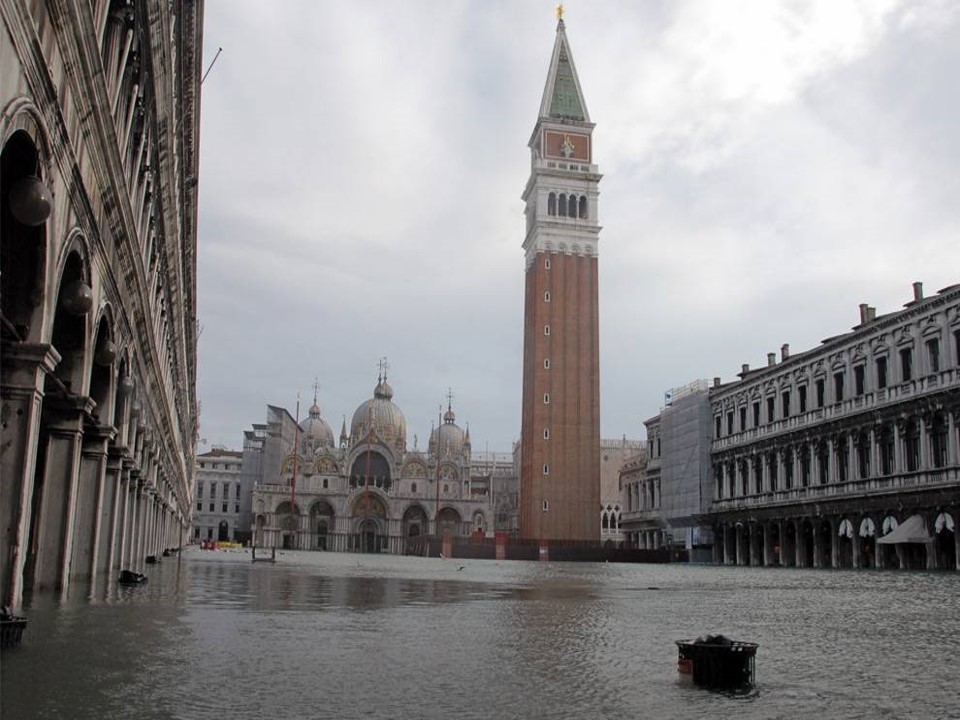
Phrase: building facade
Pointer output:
(560, 427)
(368, 492)
(219, 489)
(613, 455)
(667, 489)
(99, 124)
(818, 458)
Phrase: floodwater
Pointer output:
(324, 635)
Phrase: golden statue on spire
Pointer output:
(560, 12)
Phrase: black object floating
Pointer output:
(11, 628)
(128, 577)
(716, 661)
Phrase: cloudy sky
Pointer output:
(767, 167)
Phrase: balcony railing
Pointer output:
(861, 487)
(876, 400)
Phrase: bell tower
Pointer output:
(560, 430)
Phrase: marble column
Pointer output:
(817, 546)
(834, 542)
(783, 544)
(24, 369)
(897, 457)
(952, 457)
(923, 437)
(767, 546)
(64, 418)
(852, 470)
(91, 482)
(799, 544)
(110, 518)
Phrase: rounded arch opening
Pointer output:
(370, 469)
(23, 247)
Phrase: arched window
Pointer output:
(583, 207)
(562, 212)
(552, 204)
(604, 521)
(413, 487)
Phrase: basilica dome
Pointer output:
(315, 427)
(386, 419)
(452, 437)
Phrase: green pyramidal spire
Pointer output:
(562, 98)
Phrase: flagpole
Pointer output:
(296, 455)
(437, 446)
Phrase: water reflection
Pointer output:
(342, 636)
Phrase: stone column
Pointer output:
(874, 454)
(834, 543)
(923, 437)
(108, 546)
(782, 560)
(897, 461)
(956, 540)
(753, 544)
(798, 545)
(128, 481)
(24, 369)
(852, 469)
(828, 446)
(817, 547)
(91, 482)
(856, 543)
(767, 546)
(56, 515)
(952, 458)
(139, 520)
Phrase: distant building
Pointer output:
(613, 454)
(667, 489)
(560, 428)
(501, 472)
(99, 130)
(367, 492)
(218, 497)
(819, 457)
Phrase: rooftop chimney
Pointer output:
(871, 313)
(771, 359)
(864, 313)
(744, 369)
(784, 351)
(917, 291)
(716, 382)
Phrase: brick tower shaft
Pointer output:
(560, 433)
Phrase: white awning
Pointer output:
(943, 521)
(846, 529)
(911, 530)
(867, 528)
(889, 524)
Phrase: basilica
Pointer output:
(366, 490)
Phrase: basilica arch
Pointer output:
(322, 518)
(369, 526)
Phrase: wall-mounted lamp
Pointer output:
(30, 201)
(77, 298)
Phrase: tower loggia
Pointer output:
(560, 435)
